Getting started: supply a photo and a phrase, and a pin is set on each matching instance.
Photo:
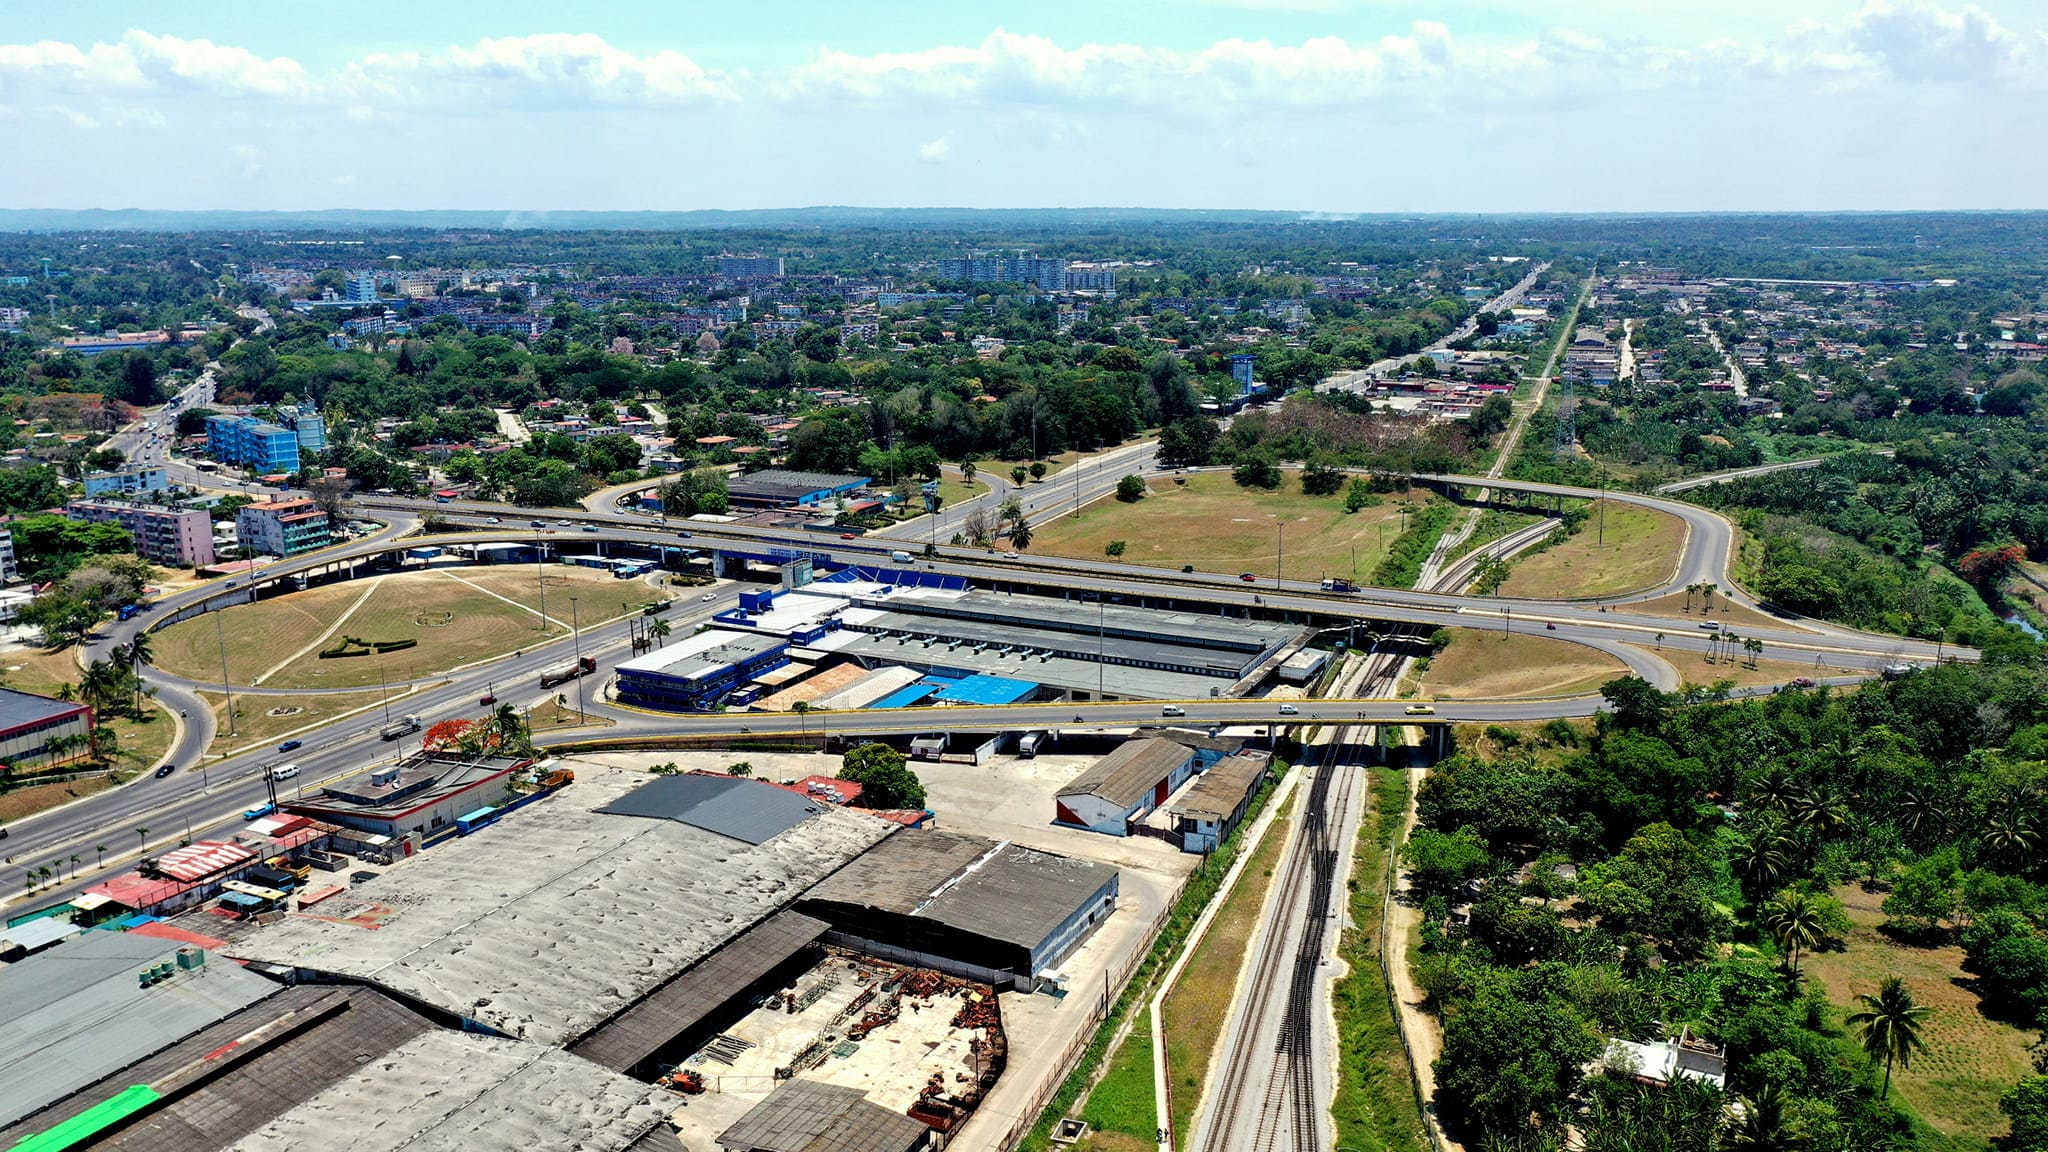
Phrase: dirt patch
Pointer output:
(1488, 664)
(1638, 549)
(1733, 616)
(1970, 1058)
(1694, 669)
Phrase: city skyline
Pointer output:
(1299, 105)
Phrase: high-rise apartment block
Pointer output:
(258, 444)
(983, 268)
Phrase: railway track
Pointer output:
(1269, 1100)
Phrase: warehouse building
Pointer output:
(807, 1116)
(553, 924)
(1122, 787)
(1209, 809)
(421, 794)
(29, 722)
(91, 1007)
(777, 488)
(699, 672)
(995, 911)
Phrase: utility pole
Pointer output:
(1101, 648)
(226, 688)
(384, 686)
(540, 577)
(576, 631)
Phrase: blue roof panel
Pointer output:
(986, 690)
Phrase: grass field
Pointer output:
(1374, 1105)
(1201, 999)
(37, 798)
(1217, 526)
(1640, 551)
(459, 616)
(1122, 1103)
(1482, 663)
(261, 719)
(1969, 1059)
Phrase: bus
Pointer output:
(206, 466)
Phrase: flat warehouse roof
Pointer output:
(810, 1116)
(993, 889)
(22, 708)
(703, 653)
(77, 1012)
(1019, 637)
(561, 918)
(1057, 671)
(746, 810)
(1123, 623)
(447, 1090)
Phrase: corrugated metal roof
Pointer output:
(746, 810)
(203, 859)
(637, 1033)
(240, 1086)
(78, 1012)
(1019, 895)
(903, 871)
(1124, 776)
(1217, 792)
(807, 1116)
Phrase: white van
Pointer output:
(1172, 710)
(284, 771)
(1289, 710)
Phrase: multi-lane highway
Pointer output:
(199, 796)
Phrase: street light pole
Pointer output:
(227, 689)
(540, 577)
(1101, 647)
(576, 631)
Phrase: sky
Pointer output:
(1316, 106)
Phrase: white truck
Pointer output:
(900, 557)
(401, 727)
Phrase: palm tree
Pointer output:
(142, 835)
(1889, 1026)
(967, 470)
(1773, 791)
(1764, 1127)
(1754, 647)
(1822, 808)
(1660, 641)
(74, 867)
(1760, 860)
(660, 630)
(1793, 918)
(102, 850)
(2009, 833)
(1020, 533)
(1707, 591)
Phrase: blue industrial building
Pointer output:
(698, 673)
(256, 443)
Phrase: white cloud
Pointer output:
(935, 151)
(550, 68)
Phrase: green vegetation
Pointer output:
(1410, 550)
(1375, 1107)
(884, 776)
(1201, 888)
(1615, 898)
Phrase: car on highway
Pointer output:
(561, 523)
(592, 528)
(284, 771)
(708, 596)
(849, 536)
(536, 524)
(289, 745)
(493, 520)
(1248, 577)
(487, 699)
(1289, 710)
(684, 534)
(1173, 710)
(1711, 625)
(166, 770)
(1009, 555)
(1804, 682)
(1419, 710)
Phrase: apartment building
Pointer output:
(175, 537)
(284, 527)
(258, 444)
(127, 482)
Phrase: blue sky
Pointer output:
(1312, 105)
